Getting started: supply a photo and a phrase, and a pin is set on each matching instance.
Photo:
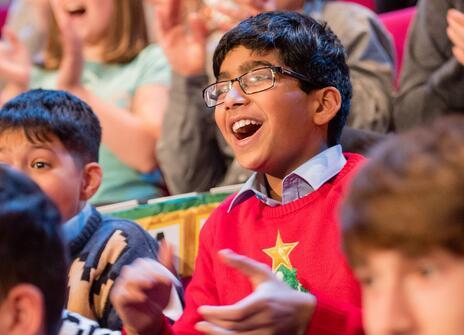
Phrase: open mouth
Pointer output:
(77, 10)
(245, 128)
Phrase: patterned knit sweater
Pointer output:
(103, 247)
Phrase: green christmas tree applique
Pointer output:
(281, 264)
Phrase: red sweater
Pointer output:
(252, 227)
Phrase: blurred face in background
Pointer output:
(90, 18)
(422, 295)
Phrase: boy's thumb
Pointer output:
(198, 27)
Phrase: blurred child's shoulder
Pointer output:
(110, 222)
(123, 230)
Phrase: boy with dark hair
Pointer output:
(403, 226)
(281, 98)
(33, 258)
(190, 144)
(54, 138)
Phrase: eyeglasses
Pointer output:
(254, 81)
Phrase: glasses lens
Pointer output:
(257, 80)
(215, 93)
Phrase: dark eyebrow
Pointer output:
(222, 76)
(35, 147)
(244, 68)
(42, 146)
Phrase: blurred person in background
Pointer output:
(403, 229)
(117, 72)
(432, 78)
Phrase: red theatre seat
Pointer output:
(397, 23)
(367, 3)
(3, 14)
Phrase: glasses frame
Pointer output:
(274, 69)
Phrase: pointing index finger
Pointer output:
(257, 272)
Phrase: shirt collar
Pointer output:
(73, 227)
(307, 178)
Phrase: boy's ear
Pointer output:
(330, 101)
(23, 311)
(92, 177)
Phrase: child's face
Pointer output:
(50, 165)
(91, 18)
(283, 135)
(403, 295)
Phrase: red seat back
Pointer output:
(397, 23)
(3, 14)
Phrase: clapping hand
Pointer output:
(139, 295)
(273, 307)
(15, 63)
(72, 62)
(455, 33)
(183, 43)
(241, 10)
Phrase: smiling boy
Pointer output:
(54, 138)
(281, 99)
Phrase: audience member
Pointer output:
(98, 50)
(191, 152)
(33, 258)
(432, 79)
(33, 271)
(28, 20)
(403, 226)
(281, 109)
(54, 138)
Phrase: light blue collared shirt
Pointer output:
(307, 178)
(73, 227)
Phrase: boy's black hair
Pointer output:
(303, 45)
(41, 113)
(31, 248)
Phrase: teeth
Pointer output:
(242, 123)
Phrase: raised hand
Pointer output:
(15, 63)
(183, 44)
(239, 10)
(273, 307)
(72, 62)
(139, 295)
(455, 33)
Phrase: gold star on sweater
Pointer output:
(280, 252)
